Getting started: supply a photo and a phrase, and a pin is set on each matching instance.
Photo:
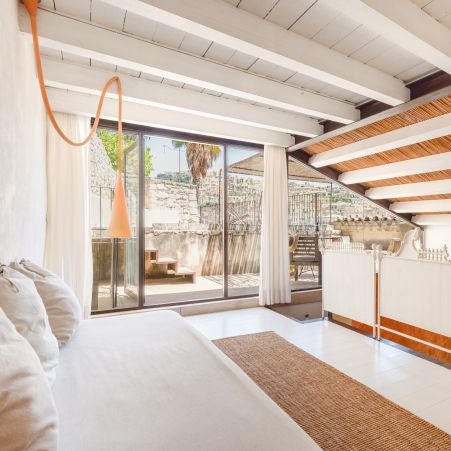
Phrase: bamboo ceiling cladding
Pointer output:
(415, 115)
(422, 149)
(412, 116)
(427, 177)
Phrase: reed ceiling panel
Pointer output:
(417, 114)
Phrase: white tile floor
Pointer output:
(416, 384)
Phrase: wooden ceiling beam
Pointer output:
(432, 220)
(79, 38)
(73, 102)
(403, 23)
(238, 29)
(423, 165)
(90, 80)
(411, 134)
(430, 188)
(430, 97)
(421, 206)
(418, 88)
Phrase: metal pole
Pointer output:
(114, 264)
(330, 204)
(225, 228)
(100, 213)
(141, 226)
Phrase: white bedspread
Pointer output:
(149, 381)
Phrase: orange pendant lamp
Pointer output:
(119, 226)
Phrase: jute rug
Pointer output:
(338, 412)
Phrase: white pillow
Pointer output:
(22, 305)
(28, 416)
(63, 308)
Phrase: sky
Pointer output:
(167, 159)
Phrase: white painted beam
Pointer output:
(421, 206)
(404, 136)
(432, 220)
(76, 37)
(86, 104)
(225, 24)
(91, 80)
(410, 190)
(431, 163)
(405, 24)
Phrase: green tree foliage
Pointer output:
(110, 142)
(179, 178)
(200, 158)
(147, 162)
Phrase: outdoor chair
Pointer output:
(305, 253)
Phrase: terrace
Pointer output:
(186, 224)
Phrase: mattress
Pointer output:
(150, 381)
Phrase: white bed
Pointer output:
(150, 381)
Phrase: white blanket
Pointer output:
(151, 382)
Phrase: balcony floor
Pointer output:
(178, 289)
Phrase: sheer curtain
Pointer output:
(274, 264)
(68, 237)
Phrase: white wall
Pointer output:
(22, 145)
(437, 236)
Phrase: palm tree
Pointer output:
(200, 158)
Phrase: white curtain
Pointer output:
(274, 264)
(68, 239)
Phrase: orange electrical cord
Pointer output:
(34, 31)
(119, 226)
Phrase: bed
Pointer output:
(150, 381)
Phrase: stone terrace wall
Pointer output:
(378, 231)
(171, 202)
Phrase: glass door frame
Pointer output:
(141, 132)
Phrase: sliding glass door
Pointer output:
(195, 212)
(183, 220)
(115, 262)
(244, 201)
(131, 245)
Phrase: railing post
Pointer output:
(377, 254)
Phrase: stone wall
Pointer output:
(170, 202)
(378, 231)
(102, 173)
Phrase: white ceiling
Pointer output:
(310, 18)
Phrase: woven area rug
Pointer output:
(338, 412)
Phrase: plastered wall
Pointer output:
(22, 145)
(437, 236)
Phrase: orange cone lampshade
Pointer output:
(119, 222)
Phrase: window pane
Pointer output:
(244, 200)
(114, 262)
(322, 213)
(308, 214)
(183, 221)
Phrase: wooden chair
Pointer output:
(304, 251)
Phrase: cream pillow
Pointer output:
(22, 305)
(28, 416)
(63, 308)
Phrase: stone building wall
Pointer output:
(170, 202)
(101, 172)
(377, 231)
(102, 182)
